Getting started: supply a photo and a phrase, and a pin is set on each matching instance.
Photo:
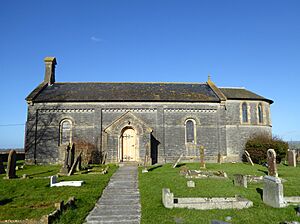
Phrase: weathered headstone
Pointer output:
(202, 160)
(146, 159)
(178, 160)
(220, 158)
(272, 167)
(65, 168)
(292, 158)
(74, 165)
(248, 157)
(190, 183)
(53, 180)
(240, 180)
(78, 167)
(11, 164)
(167, 198)
(71, 154)
(2, 170)
(273, 192)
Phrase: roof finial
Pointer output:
(208, 77)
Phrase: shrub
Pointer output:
(258, 145)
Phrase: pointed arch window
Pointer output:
(190, 131)
(65, 132)
(244, 112)
(260, 113)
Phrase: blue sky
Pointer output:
(254, 44)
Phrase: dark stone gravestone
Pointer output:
(66, 167)
(240, 180)
(74, 165)
(272, 167)
(11, 165)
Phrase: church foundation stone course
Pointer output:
(124, 122)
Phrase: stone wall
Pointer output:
(160, 126)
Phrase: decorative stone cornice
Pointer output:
(191, 110)
(87, 110)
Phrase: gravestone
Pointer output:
(248, 157)
(167, 198)
(273, 192)
(202, 152)
(178, 160)
(74, 165)
(146, 160)
(220, 158)
(272, 167)
(292, 158)
(190, 183)
(66, 167)
(240, 180)
(2, 170)
(11, 164)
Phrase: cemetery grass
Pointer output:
(165, 176)
(32, 198)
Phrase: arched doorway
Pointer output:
(129, 145)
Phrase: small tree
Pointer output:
(258, 145)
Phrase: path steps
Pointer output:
(120, 200)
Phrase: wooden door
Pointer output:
(129, 145)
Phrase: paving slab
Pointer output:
(120, 200)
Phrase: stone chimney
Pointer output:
(50, 63)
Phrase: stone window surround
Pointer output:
(60, 129)
(263, 114)
(195, 131)
(248, 113)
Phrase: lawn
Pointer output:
(32, 198)
(165, 176)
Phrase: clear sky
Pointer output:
(254, 44)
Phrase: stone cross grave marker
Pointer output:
(272, 167)
(292, 158)
(240, 180)
(202, 162)
(248, 157)
(11, 165)
(178, 160)
(2, 170)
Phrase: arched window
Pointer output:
(244, 112)
(65, 132)
(260, 113)
(190, 131)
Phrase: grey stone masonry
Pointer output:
(120, 201)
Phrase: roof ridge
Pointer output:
(202, 83)
(234, 87)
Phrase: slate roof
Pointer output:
(242, 94)
(139, 92)
(83, 92)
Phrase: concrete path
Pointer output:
(120, 201)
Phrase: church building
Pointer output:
(129, 122)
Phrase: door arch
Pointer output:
(129, 145)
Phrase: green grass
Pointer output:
(32, 198)
(153, 211)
